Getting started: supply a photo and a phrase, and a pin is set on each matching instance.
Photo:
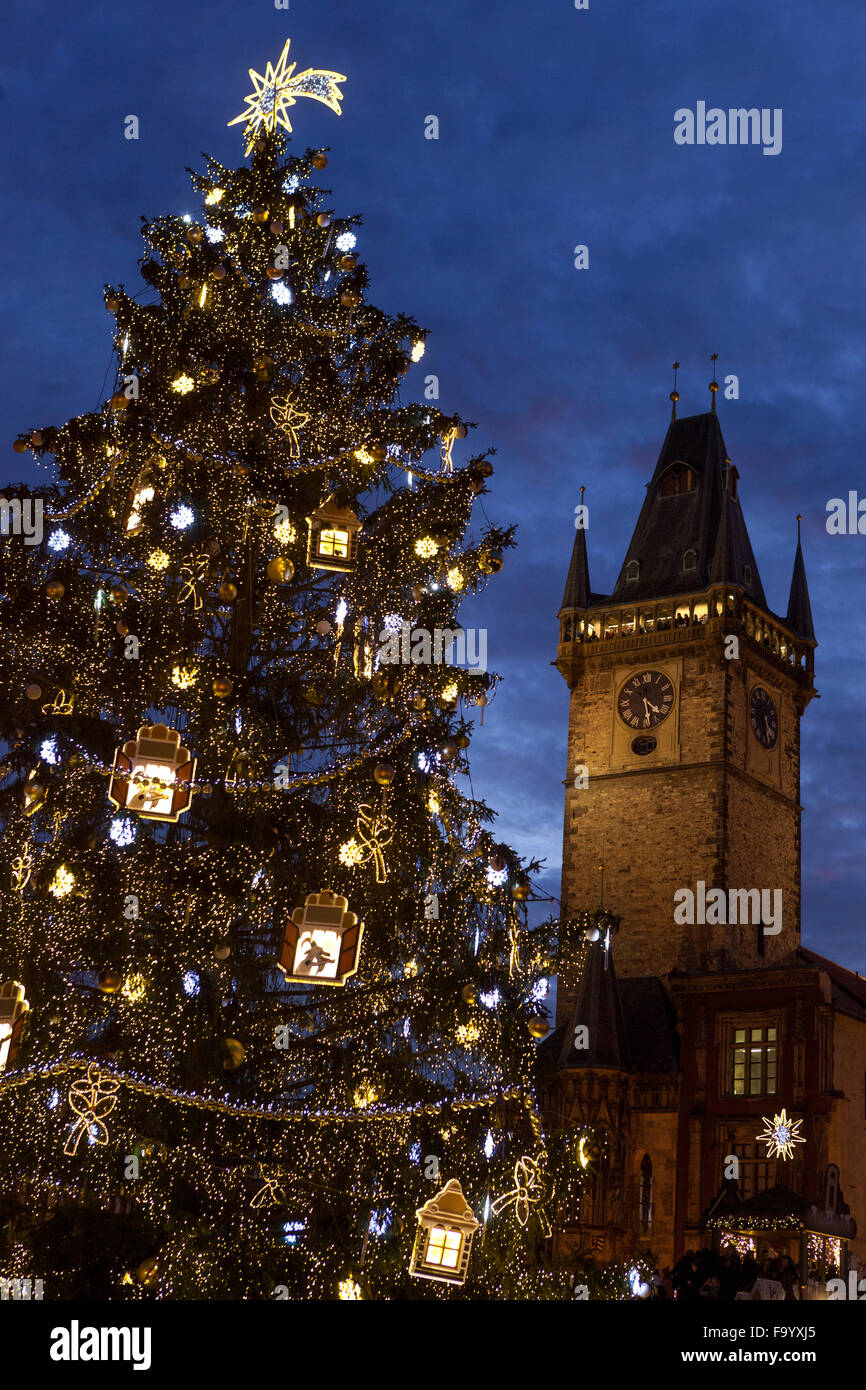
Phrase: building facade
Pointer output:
(686, 695)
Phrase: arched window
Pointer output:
(632, 571)
(646, 1192)
(690, 561)
(747, 576)
(676, 479)
(831, 1188)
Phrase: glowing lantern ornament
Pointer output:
(13, 1009)
(322, 941)
(152, 774)
(443, 1241)
(332, 542)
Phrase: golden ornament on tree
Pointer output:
(538, 1025)
(280, 570)
(222, 687)
(278, 88)
(152, 774)
(322, 941)
(443, 1242)
(332, 539)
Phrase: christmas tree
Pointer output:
(269, 1004)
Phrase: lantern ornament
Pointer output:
(443, 1242)
(332, 542)
(322, 941)
(13, 1009)
(152, 774)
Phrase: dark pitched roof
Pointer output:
(799, 617)
(848, 990)
(577, 592)
(598, 1007)
(632, 1023)
(707, 520)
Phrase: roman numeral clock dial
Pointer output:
(645, 700)
(763, 717)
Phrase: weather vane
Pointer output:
(277, 90)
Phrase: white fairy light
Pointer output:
(59, 539)
(122, 831)
(49, 752)
(214, 234)
(281, 293)
(182, 517)
(345, 241)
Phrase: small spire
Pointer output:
(799, 519)
(675, 395)
(714, 385)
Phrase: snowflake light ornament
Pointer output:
(780, 1135)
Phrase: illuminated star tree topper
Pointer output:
(277, 90)
(780, 1135)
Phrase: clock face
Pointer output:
(763, 717)
(645, 700)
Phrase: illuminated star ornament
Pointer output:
(277, 90)
(780, 1135)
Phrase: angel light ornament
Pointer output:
(152, 774)
(13, 1008)
(322, 941)
(332, 543)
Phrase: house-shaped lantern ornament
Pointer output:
(322, 941)
(152, 774)
(332, 543)
(443, 1241)
(13, 1009)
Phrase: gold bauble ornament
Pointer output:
(280, 570)
(324, 219)
(110, 981)
(347, 262)
(277, 228)
(538, 1025)
(193, 234)
(20, 446)
(260, 215)
(222, 950)
(420, 702)
(228, 591)
(236, 1054)
(33, 691)
(490, 562)
(112, 304)
(384, 774)
(218, 272)
(274, 272)
(350, 299)
(119, 401)
(462, 741)
(119, 593)
(449, 750)
(36, 439)
(469, 994)
(121, 629)
(379, 453)
(54, 588)
(323, 627)
(222, 687)
(319, 160)
(521, 889)
(148, 1273)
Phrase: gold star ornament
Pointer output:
(278, 89)
(780, 1135)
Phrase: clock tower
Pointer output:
(684, 729)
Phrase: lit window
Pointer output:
(754, 1062)
(334, 542)
(443, 1247)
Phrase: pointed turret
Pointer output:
(799, 617)
(598, 1008)
(691, 531)
(577, 584)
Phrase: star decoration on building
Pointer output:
(277, 90)
(780, 1135)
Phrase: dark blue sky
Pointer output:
(556, 128)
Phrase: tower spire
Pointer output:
(675, 395)
(577, 591)
(714, 385)
(799, 616)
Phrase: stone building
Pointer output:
(686, 695)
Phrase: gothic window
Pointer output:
(831, 1188)
(646, 1192)
(747, 576)
(676, 479)
(753, 1061)
(756, 1173)
(690, 561)
(632, 571)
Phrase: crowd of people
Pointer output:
(728, 1275)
